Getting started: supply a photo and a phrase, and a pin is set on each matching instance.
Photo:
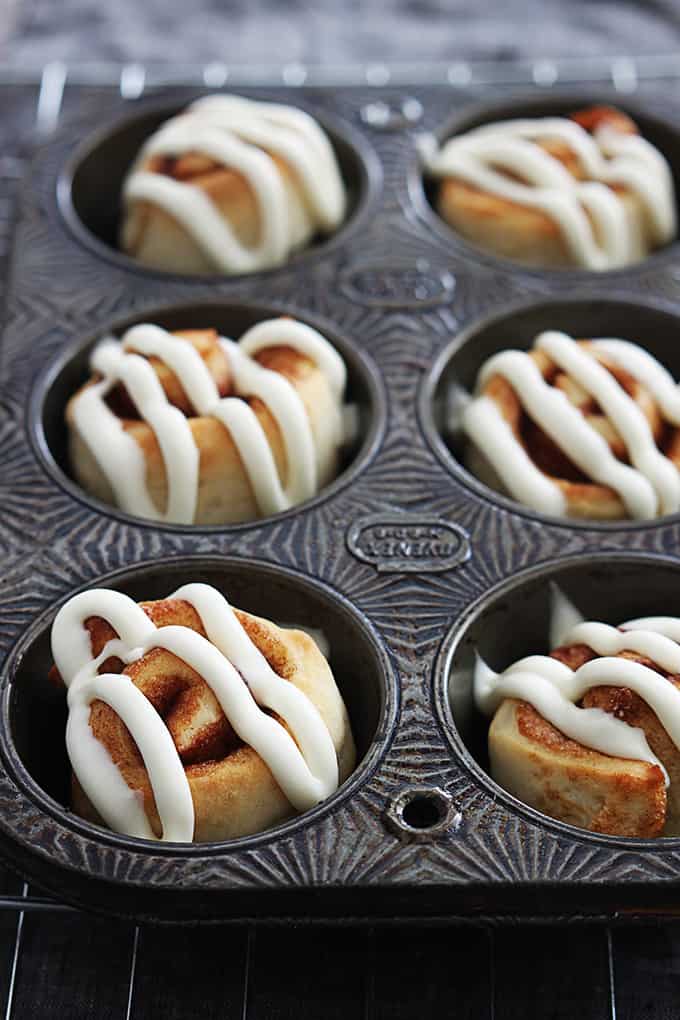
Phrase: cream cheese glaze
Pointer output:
(120, 457)
(306, 767)
(649, 486)
(244, 135)
(591, 216)
(553, 688)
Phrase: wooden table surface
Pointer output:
(61, 963)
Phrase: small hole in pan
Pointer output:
(663, 134)
(422, 812)
(513, 620)
(652, 327)
(90, 186)
(69, 371)
(35, 711)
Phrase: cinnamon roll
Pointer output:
(578, 428)
(231, 185)
(590, 734)
(191, 720)
(192, 428)
(580, 191)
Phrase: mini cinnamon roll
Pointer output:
(191, 720)
(590, 734)
(192, 428)
(578, 428)
(231, 185)
(580, 191)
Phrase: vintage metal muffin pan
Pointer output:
(405, 561)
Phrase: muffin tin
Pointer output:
(405, 561)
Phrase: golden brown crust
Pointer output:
(562, 779)
(592, 117)
(527, 235)
(583, 497)
(233, 791)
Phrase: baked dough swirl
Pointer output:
(590, 734)
(190, 427)
(190, 720)
(578, 428)
(581, 191)
(231, 185)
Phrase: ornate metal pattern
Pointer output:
(52, 542)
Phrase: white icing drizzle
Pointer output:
(245, 135)
(120, 457)
(304, 765)
(649, 486)
(647, 370)
(290, 333)
(535, 680)
(590, 215)
(553, 688)
(491, 433)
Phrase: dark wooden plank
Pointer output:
(646, 965)
(72, 965)
(303, 973)
(190, 973)
(429, 972)
(10, 885)
(551, 973)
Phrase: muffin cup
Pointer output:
(512, 621)
(662, 131)
(69, 370)
(655, 326)
(89, 187)
(32, 733)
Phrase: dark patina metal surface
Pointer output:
(402, 548)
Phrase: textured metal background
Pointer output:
(346, 859)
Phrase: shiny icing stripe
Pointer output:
(492, 435)
(591, 727)
(122, 462)
(648, 487)
(304, 765)
(245, 135)
(648, 371)
(591, 216)
(553, 688)
(292, 134)
(623, 413)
